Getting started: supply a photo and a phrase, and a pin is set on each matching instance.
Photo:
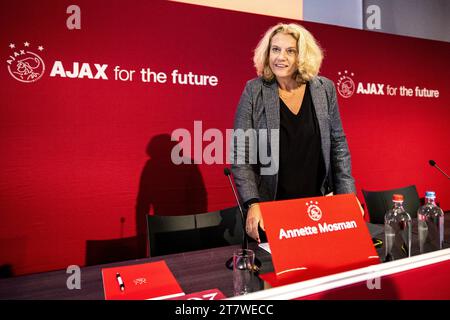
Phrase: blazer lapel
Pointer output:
(271, 104)
(320, 101)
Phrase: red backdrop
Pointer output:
(85, 159)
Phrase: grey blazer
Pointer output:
(259, 108)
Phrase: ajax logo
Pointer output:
(139, 281)
(24, 65)
(345, 84)
(314, 211)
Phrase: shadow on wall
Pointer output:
(164, 189)
(167, 189)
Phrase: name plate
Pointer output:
(314, 237)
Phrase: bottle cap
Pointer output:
(397, 197)
(430, 194)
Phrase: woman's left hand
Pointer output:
(360, 207)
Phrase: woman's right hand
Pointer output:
(254, 218)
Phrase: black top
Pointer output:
(302, 167)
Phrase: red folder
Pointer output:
(213, 294)
(315, 237)
(152, 280)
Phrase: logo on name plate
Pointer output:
(139, 281)
(313, 210)
(25, 65)
(345, 85)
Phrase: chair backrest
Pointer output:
(174, 234)
(378, 202)
(111, 250)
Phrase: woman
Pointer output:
(289, 97)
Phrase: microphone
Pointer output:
(227, 172)
(229, 262)
(433, 164)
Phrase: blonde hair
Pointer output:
(309, 58)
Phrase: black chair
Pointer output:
(111, 250)
(175, 234)
(378, 202)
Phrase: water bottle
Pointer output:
(397, 228)
(430, 224)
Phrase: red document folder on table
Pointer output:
(315, 237)
(212, 294)
(152, 280)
